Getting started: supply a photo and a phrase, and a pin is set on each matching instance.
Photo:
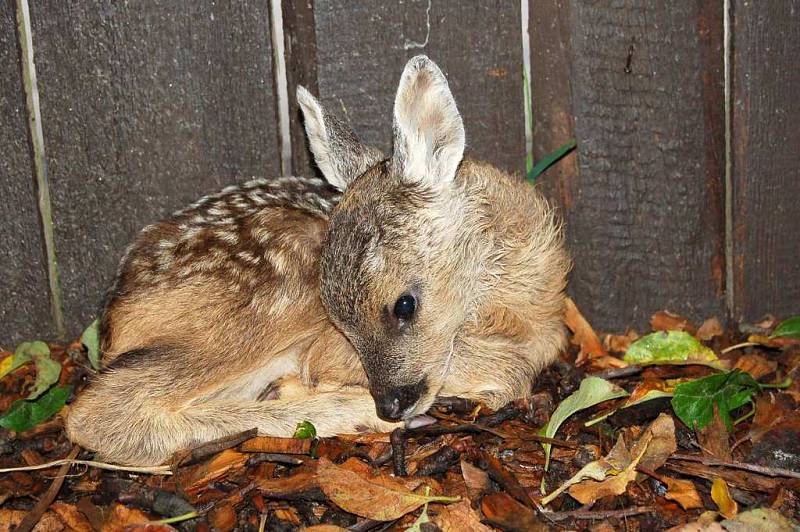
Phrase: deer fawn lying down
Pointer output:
(352, 304)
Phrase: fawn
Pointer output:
(351, 303)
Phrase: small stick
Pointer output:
(597, 514)
(30, 520)
(155, 470)
(738, 346)
(215, 446)
(616, 373)
(398, 442)
(506, 479)
(768, 471)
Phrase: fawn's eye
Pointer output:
(404, 307)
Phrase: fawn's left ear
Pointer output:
(337, 150)
(428, 130)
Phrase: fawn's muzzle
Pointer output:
(394, 403)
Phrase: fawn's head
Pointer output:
(394, 276)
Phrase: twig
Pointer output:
(30, 520)
(597, 514)
(768, 471)
(154, 470)
(176, 519)
(738, 346)
(617, 373)
(213, 447)
(505, 478)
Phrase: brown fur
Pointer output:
(287, 287)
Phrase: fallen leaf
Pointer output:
(305, 431)
(722, 497)
(121, 518)
(645, 391)
(460, 517)
(610, 475)
(756, 365)
(714, 439)
(91, 341)
(664, 320)
(506, 513)
(359, 496)
(593, 390)
(683, 492)
(24, 415)
(710, 328)
(789, 328)
(193, 478)
(583, 333)
(763, 519)
(671, 348)
(620, 343)
(694, 401)
(476, 480)
(47, 373)
(707, 522)
(71, 516)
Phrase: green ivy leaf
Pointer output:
(24, 415)
(671, 347)
(593, 390)
(91, 340)
(789, 328)
(305, 431)
(694, 401)
(47, 373)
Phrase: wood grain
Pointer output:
(362, 48)
(146, 107)
(24, 305)
(644, 215)
(766, 159)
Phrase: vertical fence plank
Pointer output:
(645, 215)
(24, 305)
(766, 159)
(145, 106)
(300, 44)
(362, 47)
(551, 96)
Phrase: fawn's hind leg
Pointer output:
(148, 435)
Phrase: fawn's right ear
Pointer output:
(339, 153)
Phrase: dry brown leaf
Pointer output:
(710, 329)
(620, 343)
(505, 512)
(71, 516)
(193, 478)
(756, 365)
(721, 495)
(476, 479)
(650, 452)
(360, 496)
(121, 518)
(584, 335)
(714, 438)
(683, 492)
(707, 522)
(460, 517)
(324, 528)
(664, 320)
(771, 411)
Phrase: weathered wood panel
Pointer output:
(363, 46)
(551, 95)
(24, 293)
(766, 159)
(644, 215)
(146, 106)
(300, 49)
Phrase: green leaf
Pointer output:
(24, 415)
(550, 159)
(671, 347)
(593, 390)
(47, 373)
(305, 431)
(12, 362)
(694, 401)
(91, 340)
(788, 329)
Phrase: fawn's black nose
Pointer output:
(392, 403)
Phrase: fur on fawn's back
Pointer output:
(352, 304)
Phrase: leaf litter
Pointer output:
(683, 428)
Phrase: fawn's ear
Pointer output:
(428, 131)
(339, 153)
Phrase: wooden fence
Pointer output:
(684, 193)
